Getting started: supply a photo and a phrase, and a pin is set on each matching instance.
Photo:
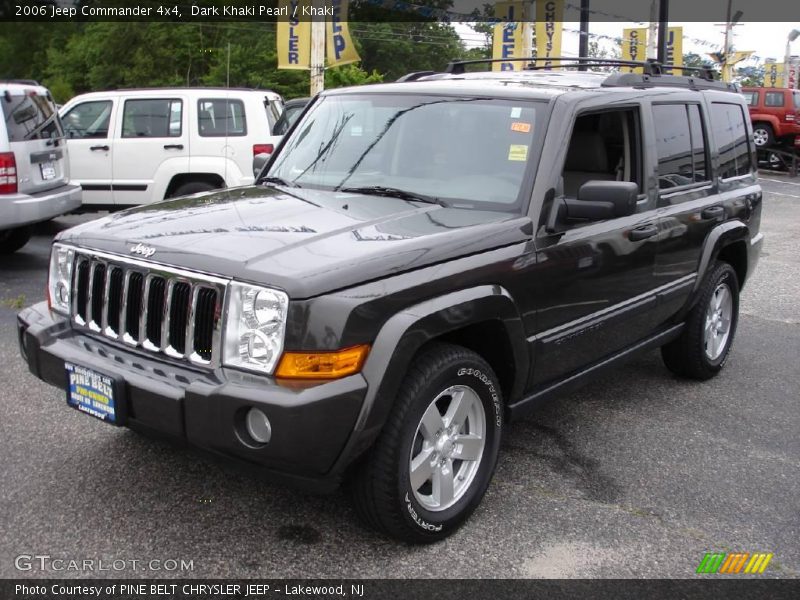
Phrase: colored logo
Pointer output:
(735, 562)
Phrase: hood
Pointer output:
(306, 242)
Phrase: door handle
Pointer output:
(103, 148)
(642, 233)
(173, 146)
(714, 212)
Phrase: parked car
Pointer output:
(291, 110)
(130, 147)
(398, 285)
(34, 175)
(774, 113)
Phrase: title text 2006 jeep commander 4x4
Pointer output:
(417, 263)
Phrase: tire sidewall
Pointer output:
(439, 524)
(725, 275)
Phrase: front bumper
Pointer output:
(205, 409)
(17, 210)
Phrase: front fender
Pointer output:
(406, 332)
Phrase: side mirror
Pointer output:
(597, 201)
(619, 197)
(259, 160)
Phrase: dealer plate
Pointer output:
(92, 393)
(48, 170)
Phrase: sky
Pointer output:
(767, 40)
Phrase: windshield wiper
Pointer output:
(391, 192)
(279, 181)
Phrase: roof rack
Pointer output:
(415, 75)
(654, 73)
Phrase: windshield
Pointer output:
(470, 152)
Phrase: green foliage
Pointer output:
(73, 58)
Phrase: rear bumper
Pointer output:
(206, 409)
(17, 210)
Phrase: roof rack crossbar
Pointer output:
(651, 67)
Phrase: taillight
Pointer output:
(263, 149)
(8, 173)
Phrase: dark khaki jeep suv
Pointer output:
(418, 263)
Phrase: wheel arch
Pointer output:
(180, 179)
(728, 242)
(460, 317)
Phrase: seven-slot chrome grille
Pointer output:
(150, 306)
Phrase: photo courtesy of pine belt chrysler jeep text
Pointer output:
(416, 264)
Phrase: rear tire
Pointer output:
(12, 240)
(763, 136)
(703, 347)
(193, 187)
(412, 485)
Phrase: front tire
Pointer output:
(703, 347)
(431, 466)
(193, 187)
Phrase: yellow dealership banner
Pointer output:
(507, 40)
(674, 49)
(294, 37)
(340, 48)
(549, 23)
(634, 47)
(774, 74)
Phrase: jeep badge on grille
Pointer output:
(145, 251)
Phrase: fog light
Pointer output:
(258, 426)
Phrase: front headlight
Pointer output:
(59, 281)
(256, 322)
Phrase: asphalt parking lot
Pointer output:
(638, 475)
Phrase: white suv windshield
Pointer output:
(466, 151)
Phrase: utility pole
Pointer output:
(663, 24)
(317, 49)
(651, 30)
(583, 43)
(726, 51)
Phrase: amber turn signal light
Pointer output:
(322, 365)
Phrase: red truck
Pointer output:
(774, 113)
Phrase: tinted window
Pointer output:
(88, 120)
(680, 145)
(698, 143)
(751, 98)
(30, 117)
(152, 118)
(773, 99)
(221, 117)
(730, 131)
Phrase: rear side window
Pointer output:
(680, 143)
(796, 96)
(152, 118)
(30, 117)
(730, 131)
(773, 99)
(221, 117)
(88, 120)
(751, 98)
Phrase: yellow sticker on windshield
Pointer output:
(518, 152)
